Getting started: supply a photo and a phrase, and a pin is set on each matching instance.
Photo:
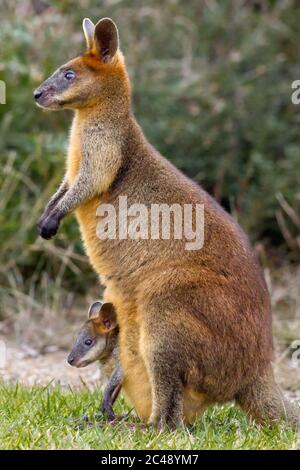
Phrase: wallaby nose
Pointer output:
(37, 94)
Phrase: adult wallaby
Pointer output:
(195, 324)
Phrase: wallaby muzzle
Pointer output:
(48, 94)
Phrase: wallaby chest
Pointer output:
(94, 155)
(74, 153)
(95, 147)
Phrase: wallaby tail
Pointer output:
(263, 401)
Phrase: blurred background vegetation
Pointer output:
(212, 91)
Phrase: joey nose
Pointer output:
(37, 94)
(70, 360)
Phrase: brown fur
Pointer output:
(195, 326)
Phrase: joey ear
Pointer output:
(88, 29)
(94, 310)
(106, 38)
(108, 317)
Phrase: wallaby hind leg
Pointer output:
(167, 394)
(265, 403)
(167, 389)
(159, 349)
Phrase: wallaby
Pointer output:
(195, 325)
(97, 340)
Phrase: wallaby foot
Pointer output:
(167, 392)
(265, 403)
(164, 417)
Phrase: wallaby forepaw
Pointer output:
(48, 227)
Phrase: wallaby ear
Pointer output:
(94, 310)
(108, 317)
(89, 30)
(106, 39)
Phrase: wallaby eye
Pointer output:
(69, 75)
(88, 342)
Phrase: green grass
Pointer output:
(47, 418)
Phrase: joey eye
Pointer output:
(69, 75)
(88, 342)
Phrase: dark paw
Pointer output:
(48, 227)
(108, 412)
(110, 416)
